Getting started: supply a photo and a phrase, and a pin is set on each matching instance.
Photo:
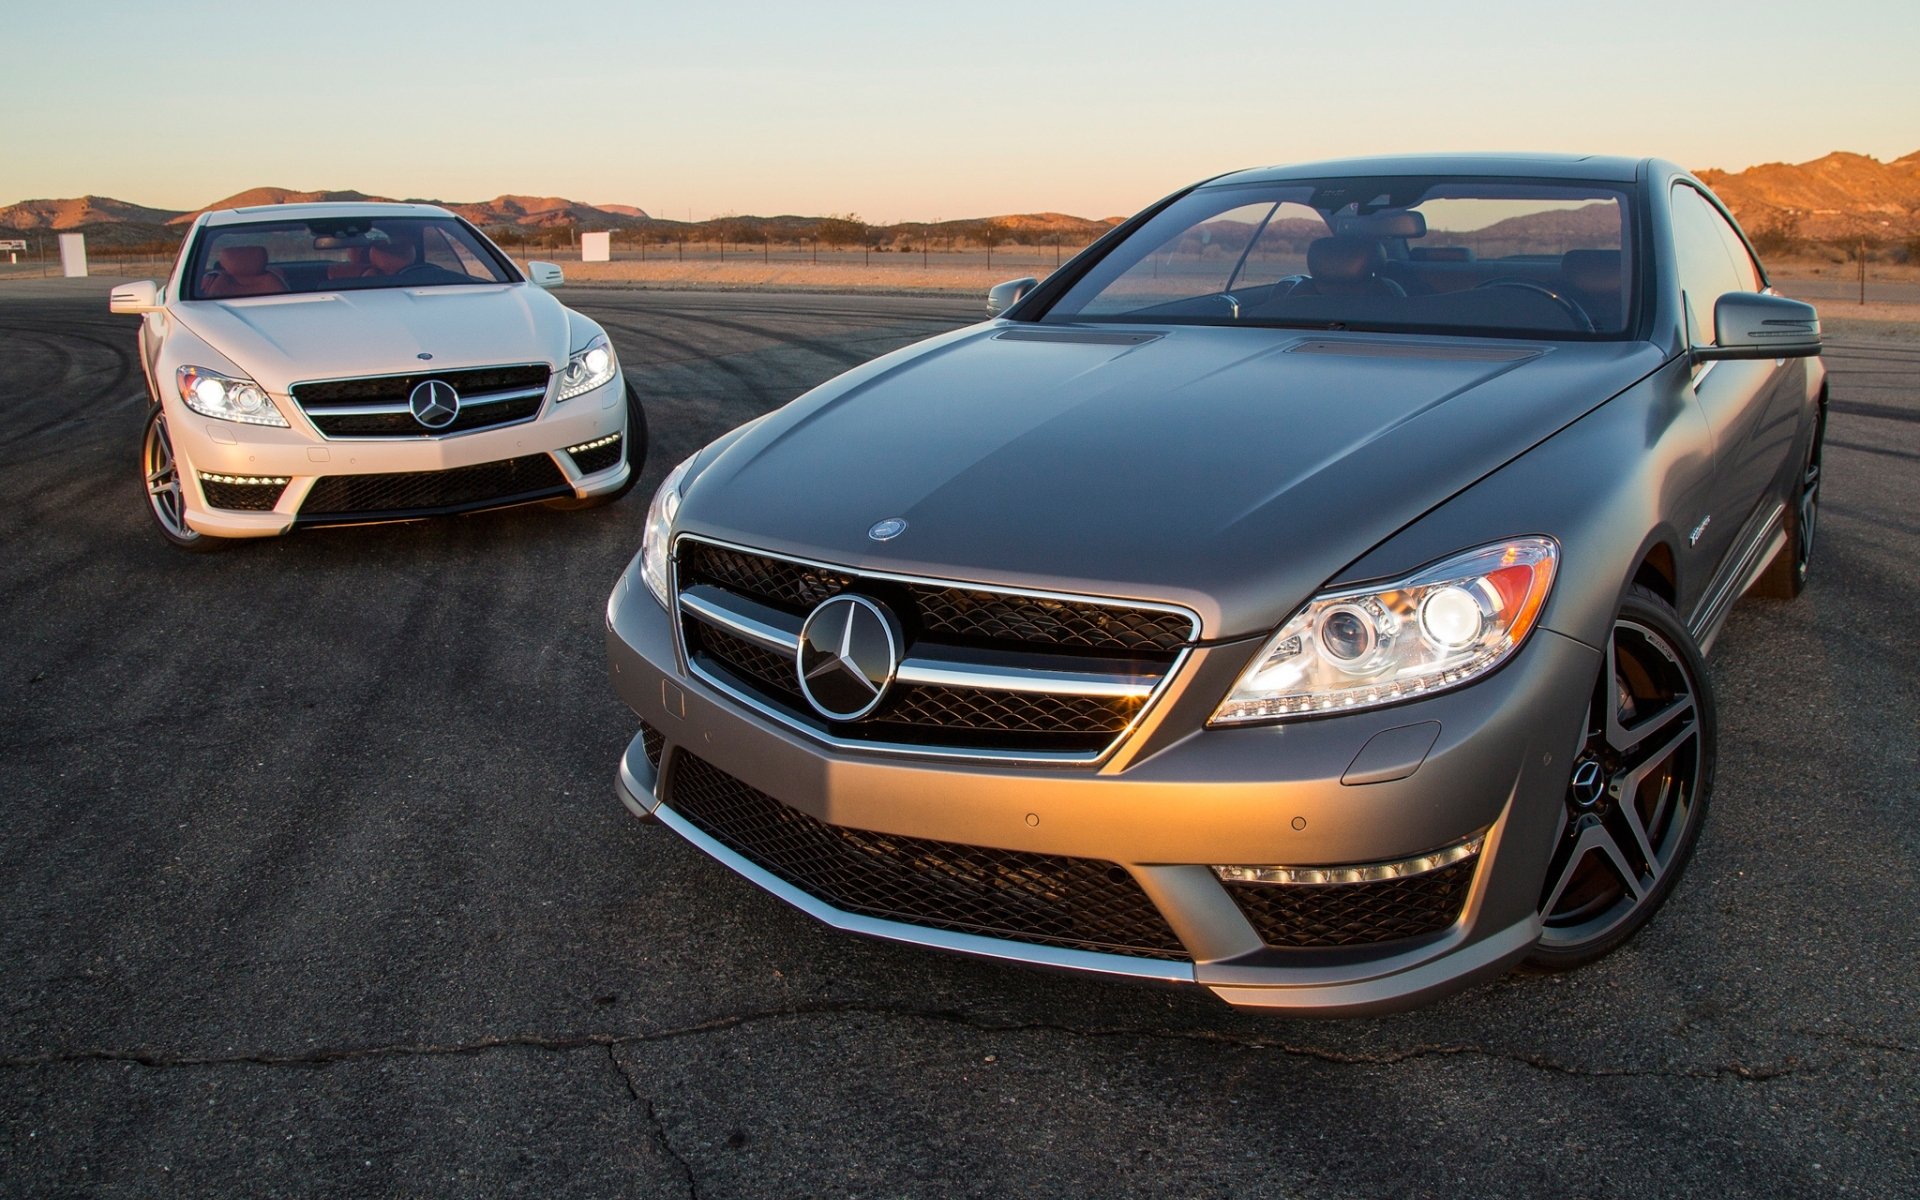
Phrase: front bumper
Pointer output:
(1172, 802)
(205, 446)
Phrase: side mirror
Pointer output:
(545, 274)
(135, 298)
(1756, 325)
(1003, 296)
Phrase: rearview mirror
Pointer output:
(1756, 325)
(135, 298)
(1003, 296)
(545, 274)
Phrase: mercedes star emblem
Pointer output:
(849, 651)
(434, 403)
(888, 529)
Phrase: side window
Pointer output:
(1743, 264)
(1707, 270)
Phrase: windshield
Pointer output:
(270, 258)
(1500, 257)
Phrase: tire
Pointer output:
(1786, 576)
(635, 445)
(160, 480)
(1637, 792)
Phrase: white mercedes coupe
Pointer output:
(331, 364)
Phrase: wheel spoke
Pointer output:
(1630, 815)
(1627, 742)
(1609, 846)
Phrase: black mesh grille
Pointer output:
(653, 742)
(475, 413)
(424, 493)
(1355, 914)
(1056, 624)
(1007, 712)
(774, 581)
(470, 416)
(390, 389)
(246, 497)
(599, 458)
(958, 614)
(1082, 903)
(956, 717)
(749, 661)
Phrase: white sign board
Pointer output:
(13, 244)
(73, 255)
(596, 247)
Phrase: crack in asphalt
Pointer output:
(656, 1128)
(611, 1043)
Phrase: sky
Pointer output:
(905, 111)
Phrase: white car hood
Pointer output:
(282, 340)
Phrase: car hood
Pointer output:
(281, 340)
(1231, 470)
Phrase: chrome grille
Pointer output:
(1003, 674)
(376, 407)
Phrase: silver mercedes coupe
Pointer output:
(1302, 593)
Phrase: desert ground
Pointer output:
(313, 881)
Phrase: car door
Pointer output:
(1737, 397)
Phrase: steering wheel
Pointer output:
(414, 269)
(1581, 320)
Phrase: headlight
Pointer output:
(212, 394)
(587, 368)
(657, 541)
(1444, 626)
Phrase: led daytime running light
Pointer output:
(1421, 864)
(595, 444)
(252, 480)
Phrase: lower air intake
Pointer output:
(1079, 903)
(428, 493)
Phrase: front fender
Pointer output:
(1611, 487)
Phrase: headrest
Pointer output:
(243, 260)
(1597, 272)
(1344, 259)
(391, 256)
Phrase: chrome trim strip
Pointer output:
(910, 749)
(1712, 613)
(745, 618)
(399, 407)
(939, 939)
(1045, 758)
(700, 601)
(938, 672)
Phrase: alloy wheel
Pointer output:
(1634, 797)
(163, 481)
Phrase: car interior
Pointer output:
(276, 258)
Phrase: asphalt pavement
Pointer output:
(312, 880)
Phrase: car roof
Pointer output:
(1519, 166)
(302, 212)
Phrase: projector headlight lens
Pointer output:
(589, 367)
(1441, 627)
(227, 397)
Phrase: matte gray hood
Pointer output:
(280, 340)
(1231, 470)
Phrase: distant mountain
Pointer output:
(1836, 197)
(86, 210)
(261, 197)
